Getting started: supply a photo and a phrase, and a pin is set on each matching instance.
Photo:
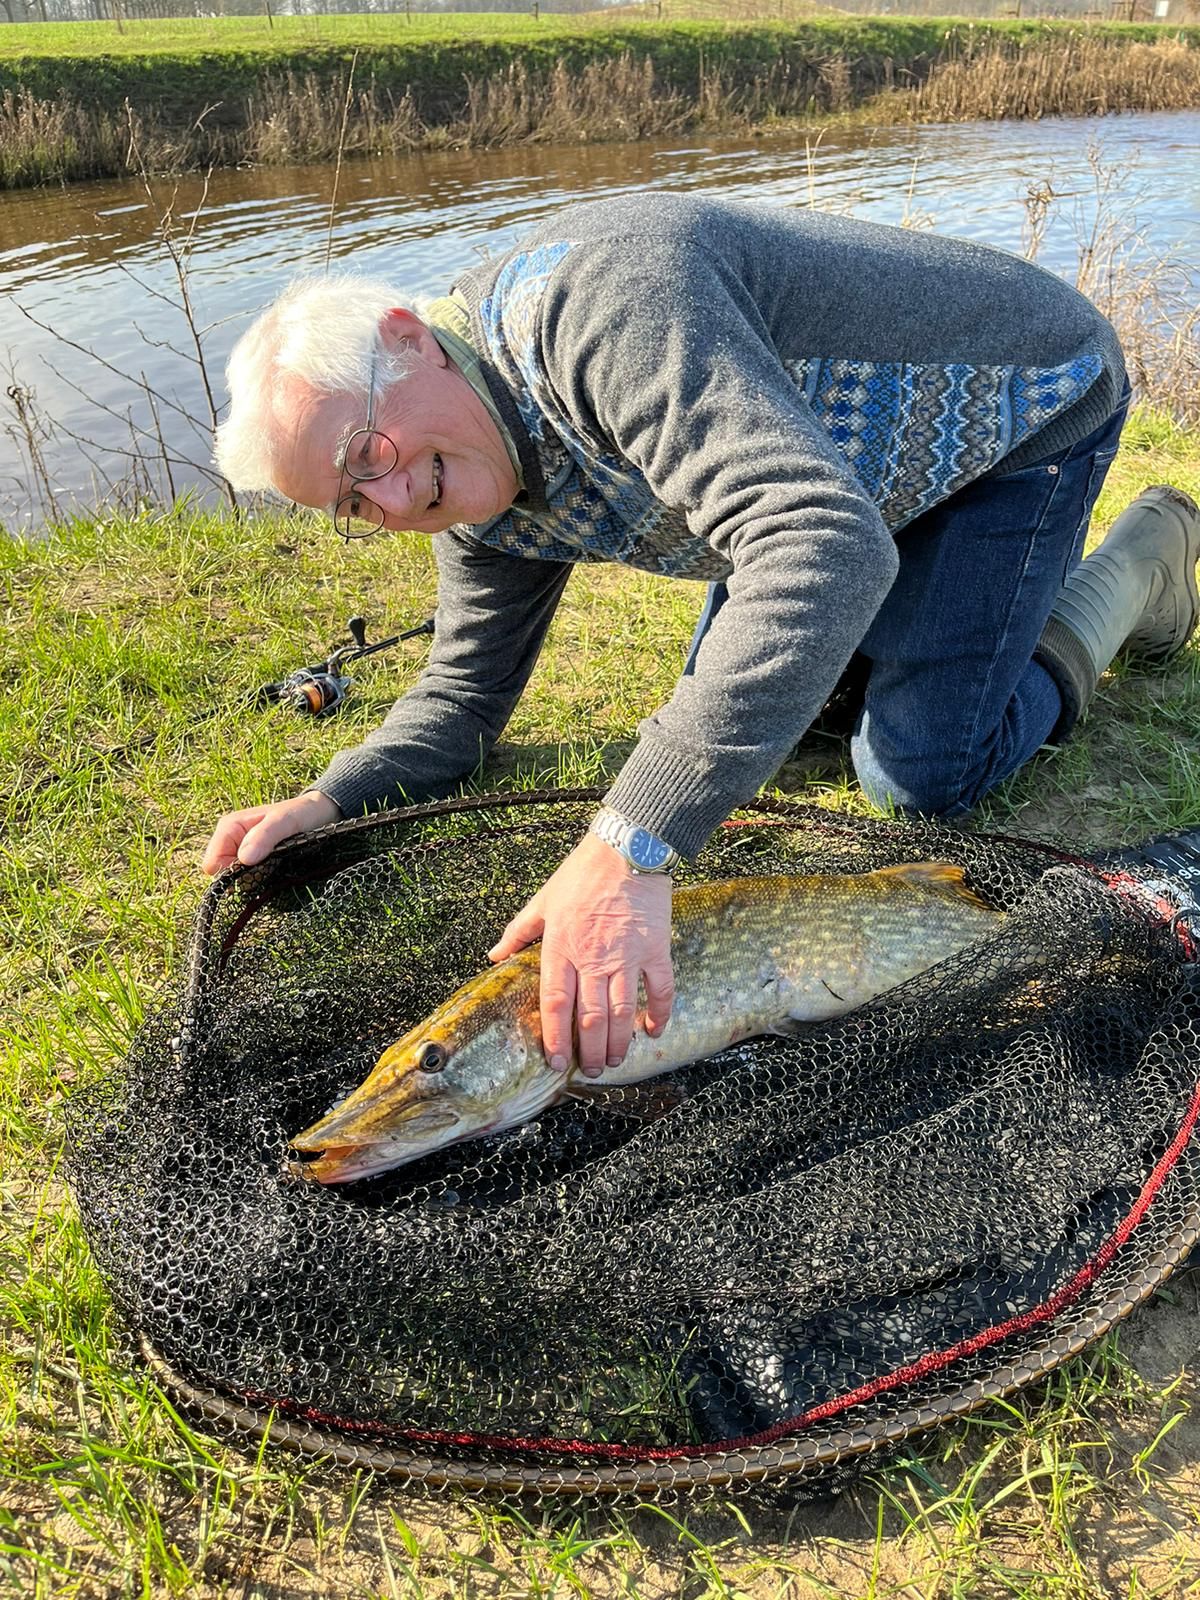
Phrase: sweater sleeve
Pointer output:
(492, 615)
(662, 356)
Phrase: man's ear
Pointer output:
(403, 329)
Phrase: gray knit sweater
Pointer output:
(712, 390)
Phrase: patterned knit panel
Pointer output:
(510, 316)
(914, 433)
(601, 508)
(911, 433)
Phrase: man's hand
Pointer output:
(250, 836)
(602, 927)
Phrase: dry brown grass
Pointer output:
(297, 117)
(53, 141)
(300, 119)
(1067, 77)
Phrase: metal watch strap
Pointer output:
(617, 831)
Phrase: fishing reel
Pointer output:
(312, 693)
(317, 690)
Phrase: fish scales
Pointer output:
(751, 956)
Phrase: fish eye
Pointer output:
(433, 1058)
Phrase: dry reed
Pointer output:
(606, 101)
(301, 119)
(297, 117)
(1150, 297)
(53, 141)
(1072, 77)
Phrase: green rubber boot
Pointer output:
(1136, 595)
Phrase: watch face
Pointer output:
(645, 851)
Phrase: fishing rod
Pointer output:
(318, 689)
(314, 690)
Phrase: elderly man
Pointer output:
(880, 448)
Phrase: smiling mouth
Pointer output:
(438, 471)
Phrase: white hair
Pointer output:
(321, 331)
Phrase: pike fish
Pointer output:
(751, 956)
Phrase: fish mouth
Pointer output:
(347, 1163)
(344, 1156)
(355, 1140)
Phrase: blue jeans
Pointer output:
(954, 701)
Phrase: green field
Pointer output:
(255, 90)
(192, 36)
(189, 36)
(119, 631)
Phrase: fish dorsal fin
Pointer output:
(938, 877)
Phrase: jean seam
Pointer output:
(1002, 640)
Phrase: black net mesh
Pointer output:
(807, 1250)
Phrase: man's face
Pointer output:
(451, 465)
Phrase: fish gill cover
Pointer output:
(806, 1250)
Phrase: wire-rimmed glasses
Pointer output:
(377, 455)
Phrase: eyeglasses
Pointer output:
(378, 455)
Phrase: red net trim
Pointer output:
(935, 1361)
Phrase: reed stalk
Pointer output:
(301, 116)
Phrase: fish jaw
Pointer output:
(421, 1135)
(347, 1163)
(493, 1075)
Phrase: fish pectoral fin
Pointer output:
(639, 1102)
(790, 1027)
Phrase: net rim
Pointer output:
(714, 1469)
(646, 1470)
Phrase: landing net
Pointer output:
(809, 1250)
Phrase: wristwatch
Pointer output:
(643, 851)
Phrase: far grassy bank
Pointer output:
(195, 93)
(109, 786)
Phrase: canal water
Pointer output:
(88, 293)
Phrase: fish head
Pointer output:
(457, 1075)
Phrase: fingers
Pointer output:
(660, 994)
(622, 1010)
(278, 824)
(525, 927)
(559, 985)
(592, 1019)
(603, 1009)
(249, 836)
(223, 846)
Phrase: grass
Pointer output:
(198, 36)
(200, 92)
(120, 634)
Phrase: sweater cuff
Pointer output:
(668, 792)
(358, 786)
